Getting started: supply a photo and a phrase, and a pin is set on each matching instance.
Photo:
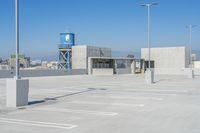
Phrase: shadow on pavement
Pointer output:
(48, 99)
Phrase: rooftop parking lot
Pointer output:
(105, 104)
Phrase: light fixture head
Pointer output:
(149, 4)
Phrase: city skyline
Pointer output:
(120, 25)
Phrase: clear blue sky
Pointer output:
(119, 24)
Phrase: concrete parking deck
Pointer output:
(105, 104)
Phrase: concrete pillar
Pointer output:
(133, 67)
(149, 77)
(17, 92)
(190, 73)
(115, 66)
(90, 66)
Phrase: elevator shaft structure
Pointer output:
(67, 40)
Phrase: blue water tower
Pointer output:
(67, 40)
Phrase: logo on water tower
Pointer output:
(67, 38)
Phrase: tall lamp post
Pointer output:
(17, 89)
(17, 38)
(190, 71)
(190, 42)
(149, 75)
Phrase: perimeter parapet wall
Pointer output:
(175, 71)
(42, 73)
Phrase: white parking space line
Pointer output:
(151, 90)
(37, 123)
(145, 92)
(77, 111)
(115, 104)
(129, 97)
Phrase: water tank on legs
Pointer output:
(67, 40)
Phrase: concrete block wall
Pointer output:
(169, 71)
(197, 64)
(106, 71)
(168, 57)
(175, 71)
(197, 71)
(124, 71)
(80, 55)
(98, 52)
(41, 73)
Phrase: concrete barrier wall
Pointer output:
(101, 71)
(170, 71)
(123, 71)
(174, 71)
(197, 71)
(41, 73)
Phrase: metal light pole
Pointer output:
(149, 74)
(17, 38)
(149, 31)
(17, 89)
(190, 42)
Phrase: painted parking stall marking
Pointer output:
(129, 97)
(77, 111)
(115, 104)
(37, 123)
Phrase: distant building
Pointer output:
(194, 57)
(35, 63)
(53, 65)
(24, 62)
(4, 64)
(4, 67)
